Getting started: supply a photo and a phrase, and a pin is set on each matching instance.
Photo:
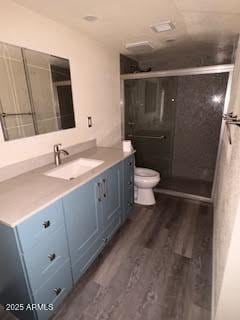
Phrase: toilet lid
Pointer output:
(144, 172)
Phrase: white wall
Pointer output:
(95, 81)
(228, 307)
(226, 240)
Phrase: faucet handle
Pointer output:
(56, 147)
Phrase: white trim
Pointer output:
(183, 195)
(213, 302)
(221, 136)
(1, 134)
(220, 146)
(180, 72)
(122, 109)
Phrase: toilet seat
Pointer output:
(145, 173)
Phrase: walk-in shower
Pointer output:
(174, 120)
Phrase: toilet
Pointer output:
(144, 182)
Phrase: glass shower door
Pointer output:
(174, 124)
(150, 109)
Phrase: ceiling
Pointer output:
(213, 23)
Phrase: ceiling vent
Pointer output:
(139, 47)
(163, 26)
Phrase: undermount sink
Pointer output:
(74, 169)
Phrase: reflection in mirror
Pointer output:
(35, 93)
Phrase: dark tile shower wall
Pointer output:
(197, 125)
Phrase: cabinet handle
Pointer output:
(52, 256)
(130, 204)
(104, 188)
(105, 240)
(46, 224)
(130, 163)
(57, 291)
(130, 183)
(99, 191)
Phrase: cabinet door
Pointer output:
(111, 195)
(82, 210)
(128, 186)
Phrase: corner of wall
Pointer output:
(226, 212)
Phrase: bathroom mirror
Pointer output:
(35, 93)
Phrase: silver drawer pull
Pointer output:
(130, 183)
(99, 191)
(130, 204)
(57, 291)
(46, 224)
(130, 163)
(104, 188)
(52, 256)
(105, 240)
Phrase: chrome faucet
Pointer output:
(57, 152)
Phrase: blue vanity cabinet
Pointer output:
(128, 185)
(43, 256)
(82, 208)
(93, 214)
(34, 263)
(112, 200)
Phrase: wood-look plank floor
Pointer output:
(157, 267)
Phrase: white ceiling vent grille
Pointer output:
(139, 47)
(163, 26)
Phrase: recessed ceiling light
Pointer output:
(90, 18)
(163, 26)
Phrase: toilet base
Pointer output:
(144, 197)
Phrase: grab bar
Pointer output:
(4, 114)
(147, 137)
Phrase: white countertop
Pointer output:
(24, 195)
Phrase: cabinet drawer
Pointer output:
(54, 291)
(45, 258)
(35, 229)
